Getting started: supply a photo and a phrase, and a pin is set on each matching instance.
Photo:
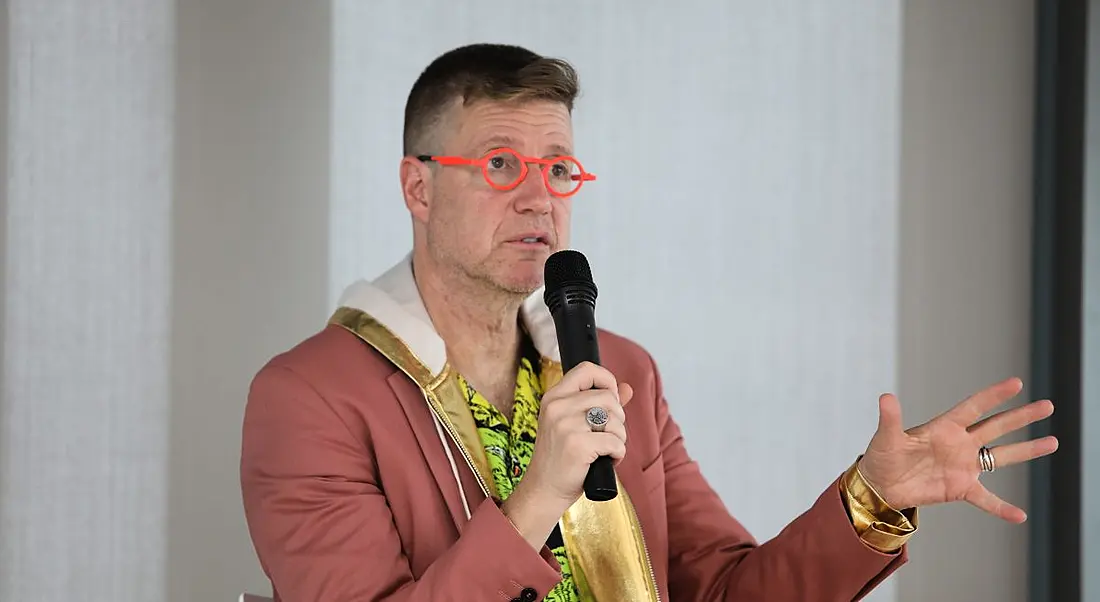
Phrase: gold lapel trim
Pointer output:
(448, 399)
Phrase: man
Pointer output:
(425, 445)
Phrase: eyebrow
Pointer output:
(503, 141)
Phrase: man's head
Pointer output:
(469, 221)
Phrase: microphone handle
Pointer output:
(578, 342)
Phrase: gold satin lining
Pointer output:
(604, 540)
(384, 340)
(878, 525)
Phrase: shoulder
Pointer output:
(332, 382)
(327, 358)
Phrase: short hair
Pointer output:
(483, 72)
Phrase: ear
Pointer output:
(416, 180)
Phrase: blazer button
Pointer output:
(528, 594)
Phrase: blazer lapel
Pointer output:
(419, 415)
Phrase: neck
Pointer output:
(479, 326)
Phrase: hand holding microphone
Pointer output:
(582, 432)
(567, 445)
(571, 297)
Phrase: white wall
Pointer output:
(966, 202)
(84, 391)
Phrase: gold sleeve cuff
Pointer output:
(877, 524)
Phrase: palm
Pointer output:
(937, 462)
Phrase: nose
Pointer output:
(531, 196)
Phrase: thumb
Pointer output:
(889, 414)
(626, 392)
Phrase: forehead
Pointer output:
(530, 127)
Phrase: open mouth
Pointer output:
(531, 240)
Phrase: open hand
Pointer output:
(937, 462)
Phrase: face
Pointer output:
(494, 238)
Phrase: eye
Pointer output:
(503, 160)
(503, 168)
(560, 170)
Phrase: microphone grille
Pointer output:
(566, 267)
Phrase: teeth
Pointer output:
(531, 239)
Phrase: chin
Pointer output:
(524, 287)
(521, 281)
(519, 277)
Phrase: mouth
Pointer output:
(531, 240)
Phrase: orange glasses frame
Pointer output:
(483, 163)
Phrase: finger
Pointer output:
(986, 500)
(969, 410)
(616, 428)
(604, 444)
(1025, 451)
(889, 414)
(1003, 423)
(581, 402)
(570, 412)
(587, 375)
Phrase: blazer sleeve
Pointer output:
(819, 556)
(321, 525)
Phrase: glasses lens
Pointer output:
(564, 176)
(503, 168)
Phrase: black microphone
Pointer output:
(571, 296)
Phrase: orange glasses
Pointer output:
(504, 169)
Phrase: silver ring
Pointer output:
(596, 417)
(986, 459)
